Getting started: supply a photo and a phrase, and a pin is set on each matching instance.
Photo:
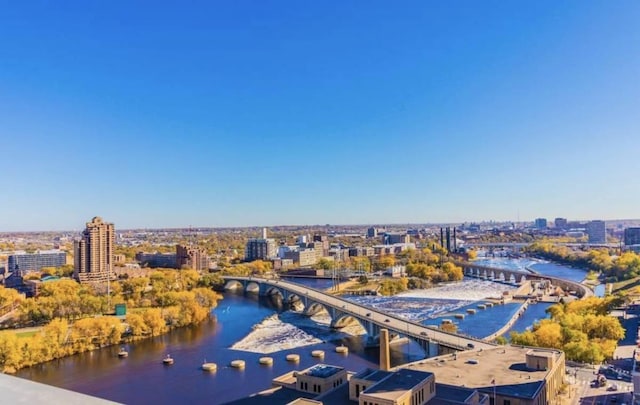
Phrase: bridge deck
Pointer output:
(384, 320)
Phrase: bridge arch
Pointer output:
(252, 287)
(296, 303)
(346, 320)
(234, 285)
(270, 291)
(315, 308)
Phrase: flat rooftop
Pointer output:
(504, 365)
(448, 394)
(397, 383)
(370, 374)
(322, 371)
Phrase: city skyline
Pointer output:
(247, 114)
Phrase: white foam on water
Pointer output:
(282, 332)
(508, 263)
(466, 290)
(273, 335)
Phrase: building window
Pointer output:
(506, 402)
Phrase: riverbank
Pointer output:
(28, 347)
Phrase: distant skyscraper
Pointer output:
(597, 232)
(632, 236)
(372, 232)
(561, 223)
(94, 252)
(541, 223)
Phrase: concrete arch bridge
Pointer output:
(519, 277)
(342, 312)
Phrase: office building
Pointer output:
(260, 249)
(372, 232)
(22, 263)
(191, 257)
(561, 223)
(321, 239)
(540, 223)
(154, 260)
(361, 251)
(390, 238)
(302, 256)
(507, 374)
(401, 387)
(632, 236)
(597, 232)
(93, 253)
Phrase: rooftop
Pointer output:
(322, 371)
(504, 365)
(397, 383)
(370, 374)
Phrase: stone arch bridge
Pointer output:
(342, 312)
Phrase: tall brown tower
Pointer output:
(94, 252)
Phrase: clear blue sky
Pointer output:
(204, 113)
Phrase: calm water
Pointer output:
(142, 379)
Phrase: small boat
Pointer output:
(123, 353)
(167, 360)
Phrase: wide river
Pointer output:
(257, 327)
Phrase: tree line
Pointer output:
(582, 329)
(73, 317)
(613, 267)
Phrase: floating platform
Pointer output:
(342, 350)
(471, 311)
(458, 316)
(237, 364)
(294, 358)
(318, 353)
(482, 306)
(211, 367)
(266, 361)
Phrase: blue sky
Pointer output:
(158, 114)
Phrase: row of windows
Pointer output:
(358, 389)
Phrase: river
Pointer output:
(142, 379)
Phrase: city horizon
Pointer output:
(324, 225)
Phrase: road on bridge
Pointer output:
(382, 319)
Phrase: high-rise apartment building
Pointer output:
(260, 249)
(597, 231)
(93, 253)
(632, 236)
(191, 257)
